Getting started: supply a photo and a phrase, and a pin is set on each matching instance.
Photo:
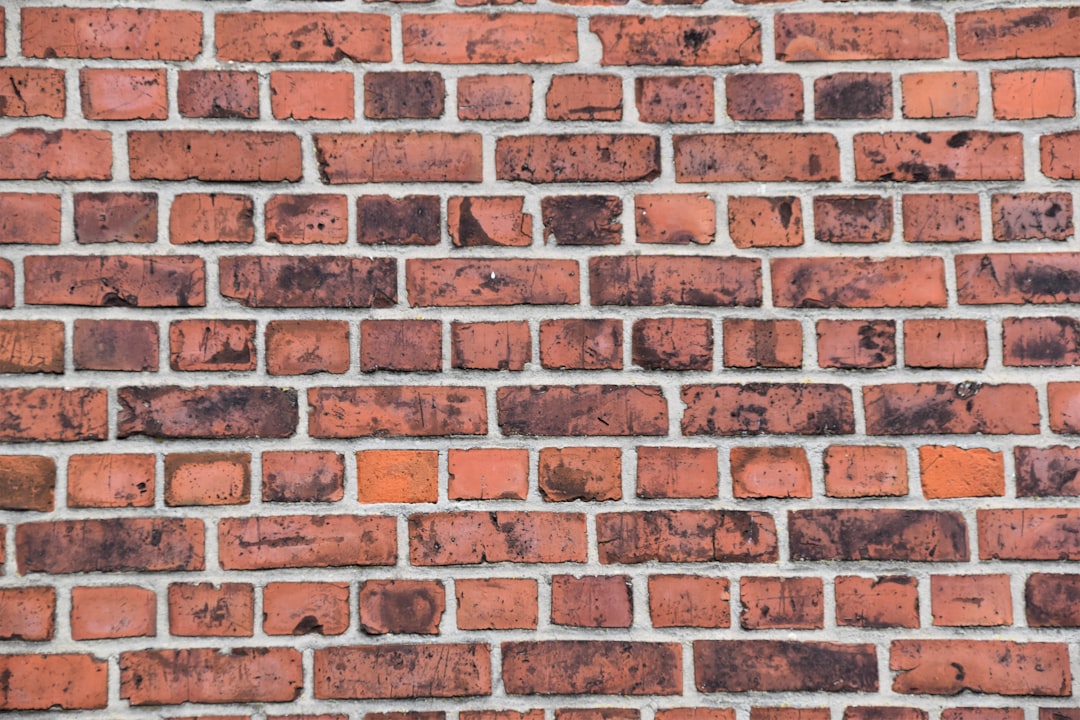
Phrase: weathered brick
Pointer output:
(853, 96)
(29, 219)
(490, 345)
(211, 156)
(1031, 94)
(770, 472)
(582, 410)
(27, 614)
(673, 40)
(784, 666)
(1009, 33)
(865, 471)
(879, 534)
(302, 37)
(950, 408)
(115, 280)
(1050, 600)
(218, 94)
(470, 538)
(401, 606)
(288, 541)
(682, 99)
(303, 476)
(402, 671)
(1058, 155)
(112, 545)
(496, 604)
(32, 154)
(211, 412)
(1018, 278)
(674, 280)
(585, 97)
(878, 602)
(570, 667)
(764, 96)
(303, 608)
(116, 611)
(115, 480)
(129, 94)
(400, 345)
(32, 92)
(757, 157)
(212, 345)
(673, 343)
(768, 409)
(209, 675)
(858, 282)
(940, 94)
(577, 158)
(853, 218)
(41, 682)
(686, 536)
(494, 97)
(207, 478)
(577, 473)
(1031, 216)
(582, 219)
(396, 411)
(794, 603)
(463, 282)
(403, 95)
(675, 219)
(938, 156)
(928, 667)
(120, 345)
(267, 281)
(944, 217)
(211, 218)
(1047, 472)
(592, 601)
(116, 33)
(581, 344)
(411, 220)
(970, 600)
(752, 343)
(53, 415)
(497, 221)
(856, 344)
(394, 157)
(397, 476)
(31, 346)
(676, 472)
(303, 347)
(462, 38)
(835, 36)
(208, 610)
(1029, 534)
(689, 601)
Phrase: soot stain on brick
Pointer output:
(469, 230)
(856, 98)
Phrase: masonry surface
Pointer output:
(560, 360)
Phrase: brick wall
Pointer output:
(556, 361)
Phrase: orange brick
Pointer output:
(27, 482)
(397, 476)
(940, 94)
(592, 601)
(207, 478)
(494, 97)
(865, 471)
(112, 612)
(762, 343)
(129, 94)
(1033, 94)
(585, 97)
(311, 95)
(925, 343)
(952, 472)
(211, 218)
(111, 480)
(31, 346)
(677, 472)
(770, 472)
(675, 219)
(496, 603)
(302, 608)
(765, 221)
(945, 217)
(970, 600)
(488, 474)
(795, 603)
(303, 347)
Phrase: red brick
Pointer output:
(577, 158)
(970, 600)
(858, 282)
(945, 217)
(705, 40)
(597, 713)
(211, 218)
(7, 283)
(580, 473)
(785, 713)
(770, 472)
(115, 280)
(302, 608)
(112, 545)
(411, 220)
(33, 154)
(581, 344)
(1029, 534)
(402, 671)
(210, 675)
(582, 219)
(1063, 399)
(853, 218)
(938, 156)
(116, 33)
(865, 471)
(123, 611)
(31, 346)
(206, 610)
(940, 94)
(207, 478)
(218, 94)
(287, 541)
(688, 601)
(1031, 216)
(582, 410)
(395, 95)
(307, 219)
(679, 99)
(1051, 471)
(490, 345)
(593, 98)
(764, 96)
(982, 713)
(1031, 94)
(764, 408)
(882, 712)
(494, 97)
(675, 219)
(924, 347)
(569, 667)
(856, 344)
(676, 472)
(116, 217)
(212, 345)
(304, 476)
(209, 412)
(835, 36)
(396, 411)
(757, 157)
(853, 96)
(309, 281)
(1058, 155)
(890, 601)
(302, 37)
(1049, 600)
(128, 94)
(397, 476)
(121, 345)
(686, 536)
(950, 408)
(496, 604)
(952, 472)
(32, 92)
(304, 347)
(400, 345)
(488, 474)
(498, 221)
(675, 280)
(1010, 33)
(765, 221)
(880, 534)
(593, 601)
(468, 538)
(53, 414)
(456, 282)
(27, 614)
(401, 606)
(311, 95)
(927, 667)
(394, 157)
(1017, 278)
(41, 682)
(29, 219)
(795, 603)
(225, 156)
(673, 343)
(462, 38)
(111, 481)
(762, 343)
(27, 483)
(784, 666)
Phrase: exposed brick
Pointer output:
(784, 666)
(116, 33)
(307, 219)
(402, 671)
(581, 344)
(206, 610)
(31, 346)
(938, 156)
(880, 534)
(116, 217)
(676, 472)
(122, 345)
(41, 682)
(212, 345)
(397, 476)
(577, 158)
(303, 476)
(970, 600)
(952, 472)
(27, 613)
(950, 408)
(171, 411)
(878, 602)
(686, 536)
(593, 601)
(31, 154)
(940, 94)
(401, 606)
(32, 92)
(494, 97)
(211, 218)
(122, 611)
(582, 219)
(311, 95)
(856, 344)
(853, 218)
(487, 473)
(795, 603)
(1051, 471)
(302, 37)
(674, 40)
(1058, 155)
(865, 471)
(580, 473)
(396, 411)
(681, 99)
(569, 667)
(924, 346)
(1049, 600)
(926, 667)
(209, 675)
(835, 36)
(29, 218)
(302, 608)
(112, 545)
(858, 282)
(226, 156)
(411, 220)
(469, 538)
(1031, 94)
(496, 603)
(675, 280)
(764, 96)
(689, 601)
(1031, 216)
(304, 347)
(770, 472)
(111, 481)
(308, 281)
(585, 97)
(768, 409)
(464, 282)
(582, 410)
(207, 478)
(53, 414)
(675, 219)
(1063, 399)
(945, 217)
(490, 345)
(1028, 534)
(286, 541)
(1017, 278)
(129, 94)
(1009, 33)
(461, 38)
(673, 343)
(499, 221)
(752, 343)
(757, 157)
(853, 96)
(218, 94)
(400, 345)
(403, 95)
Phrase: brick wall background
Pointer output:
(564, 361)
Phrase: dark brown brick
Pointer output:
(782, 666)
(582, 410)
(1047, 472)
(315, 281)
(853, 96)
(675, 280)
(214, 412)
(879, 534)
(582, 219)
(411, 220)
(964, 408)
(569, 667)
(115, 280)
(686, 536)
(402, 671)
(113, 545)
(399, 95)
(764, 409)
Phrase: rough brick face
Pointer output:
(512, 360)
